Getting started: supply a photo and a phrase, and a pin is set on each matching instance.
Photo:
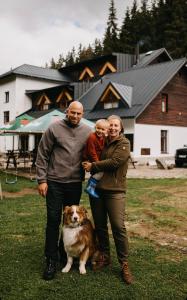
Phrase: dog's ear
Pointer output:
(66, 208)
(83, 209)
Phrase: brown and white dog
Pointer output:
(78, 237)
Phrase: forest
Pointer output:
(161, 24)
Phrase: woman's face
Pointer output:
(115, 128)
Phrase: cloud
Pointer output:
(34, 31)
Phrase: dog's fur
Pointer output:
(78, 237)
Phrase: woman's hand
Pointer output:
(87, 166)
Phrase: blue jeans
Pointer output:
(58, 196)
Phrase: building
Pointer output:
(148, 91)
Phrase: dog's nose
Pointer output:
(75, 218)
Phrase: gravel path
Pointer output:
(154, 172)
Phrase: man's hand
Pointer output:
(42, 189)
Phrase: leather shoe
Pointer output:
(50, 270)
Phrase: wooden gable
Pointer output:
(107, 68)
(110, 94)
(110, 98)
(64, 95)
(43, 100)
(64, 98)
(86, 74)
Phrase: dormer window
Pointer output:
(107, 68)
(110, 98)
(64, 99)
(43, 102)
(86, 74)
(164, 103)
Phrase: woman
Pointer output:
(112, 189)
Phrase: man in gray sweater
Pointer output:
(60, 175)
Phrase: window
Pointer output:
(6, 97)
(64, 99)
(130, 137)
(108, 105)
(164, 141)
(164, 103)
(145, 151)
(43, 102)
(45, 106)
(6, 117)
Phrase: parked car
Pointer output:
(181, 156)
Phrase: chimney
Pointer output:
(137, 53)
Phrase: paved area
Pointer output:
(154, 172)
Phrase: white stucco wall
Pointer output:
(19, 102)
(22, 101)
(149, 136)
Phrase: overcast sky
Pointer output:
(34, 31)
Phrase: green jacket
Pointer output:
(114, 164)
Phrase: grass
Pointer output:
(159, 271)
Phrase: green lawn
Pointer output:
(160, 271)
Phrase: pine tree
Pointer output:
(52, 63)
(175, 30)
(145, 28)
(97, 48)
(60, 62)
(80, 49)
(69, 60)
(125, 34)
(110, 41)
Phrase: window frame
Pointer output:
(6, 116)
(7, 97)
(164, 103)
(164, 141)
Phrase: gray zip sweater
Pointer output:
(59, 153)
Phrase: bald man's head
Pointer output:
(75, 112)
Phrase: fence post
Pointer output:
(1, 194)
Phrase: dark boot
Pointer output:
(100, 260)
(50, 270)
(126, 273)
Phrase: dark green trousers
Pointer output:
(110, 206)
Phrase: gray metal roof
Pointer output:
(146, 82)
(125, 92)
(146, 58)
(38, 72)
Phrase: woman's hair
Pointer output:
(118, 118)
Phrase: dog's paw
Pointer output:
(66, 269)
(82, 270)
